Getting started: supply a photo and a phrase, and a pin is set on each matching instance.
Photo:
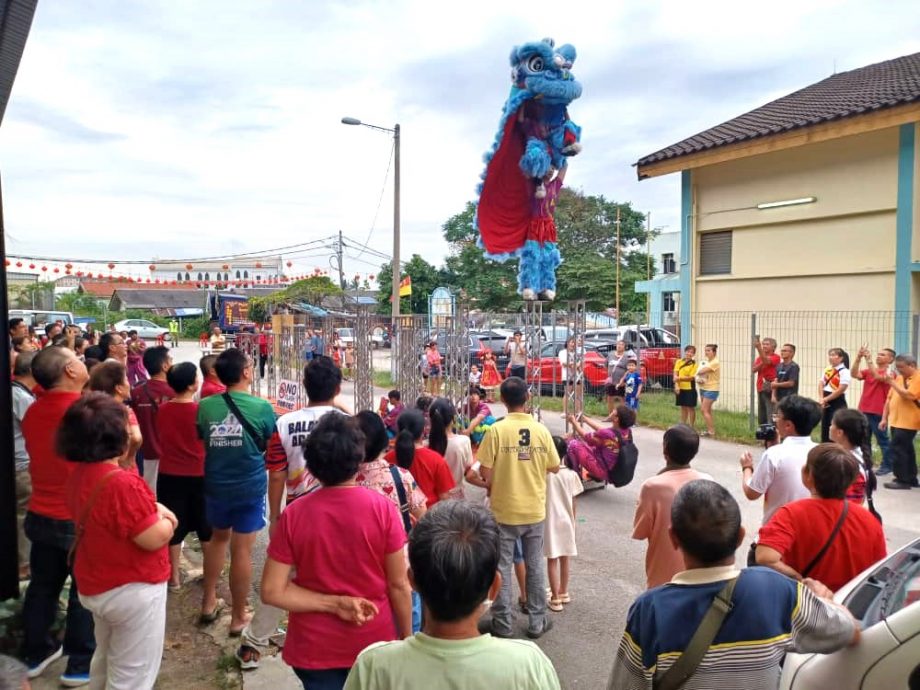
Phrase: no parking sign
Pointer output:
(287, 394)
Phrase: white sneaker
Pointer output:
(39, 668)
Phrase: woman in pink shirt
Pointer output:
(596, 453)
(340, 539)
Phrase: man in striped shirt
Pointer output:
(771, 614)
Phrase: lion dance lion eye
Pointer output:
(535, 64)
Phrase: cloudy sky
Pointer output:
(180, 129)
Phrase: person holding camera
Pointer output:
(778, 475)
(765, 367)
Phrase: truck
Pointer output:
(657, 348)
(229, 310)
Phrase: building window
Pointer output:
(200, 277)
(187, 276)
(179, 275)
(246, 274)
(207, 275)
(668, 265)
(716, 253)
(668, 303)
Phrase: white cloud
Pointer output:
(181, 129)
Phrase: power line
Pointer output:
(380, 199)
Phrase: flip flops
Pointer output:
(208, 618)
(555, 605)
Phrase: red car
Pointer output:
(548, 371)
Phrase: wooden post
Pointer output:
(618, 267)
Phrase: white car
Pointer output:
(886, 600)
(146, 330)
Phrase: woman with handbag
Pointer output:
(120, 557)
(825, 537)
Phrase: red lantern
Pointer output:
(57, 270)
(258, 264)
(289, 264)
(79, 274)
(370, 277)
(68, 266)
(188, 267)
(148, 280)
(44, 269)
(18, 264)
(225, 266)
(111, 266)
(152, 267)
(32, 266)
(157, 281)
(174, 282)
(68, 271)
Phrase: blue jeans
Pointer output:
(51, 540)
(881, 437)
(324, 679)
(531, 539)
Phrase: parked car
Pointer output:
(885, 599)
(548, 371)
(346, 335)
(146, 330)
(657, 348)
(40, 318)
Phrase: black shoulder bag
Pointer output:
(687, 663)
(253, 434)
(403, 500)
(830, 540)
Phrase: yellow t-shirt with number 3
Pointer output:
(519, 450)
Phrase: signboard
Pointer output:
(440, 309)
(236, 312)
(287, 394)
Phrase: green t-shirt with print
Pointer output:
(234, 467)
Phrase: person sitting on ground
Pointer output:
(180, 481)
(119, 559)
(595, 454)
(770, 613)
(394, 408)
(778, 476)
(427, 466)
(318, 534)
(110, 377)
(798, 531)
(210, 384)
(456, 448)
(652, 520)
(453, 556)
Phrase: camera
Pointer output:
(765, 432)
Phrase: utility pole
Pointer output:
(648, 265)
(618, 266)
(341, 270)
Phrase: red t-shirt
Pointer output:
(209, 388)
(49, 471)
(430, 471)
(799, 530)
(107, 556)
(874, 394)
(338, 539)
(767, 371)
(181, 450)
(146, 400)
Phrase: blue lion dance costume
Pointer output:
(527, 164)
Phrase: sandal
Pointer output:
(565, 598)
(248, 657)
(555, 605)
(208, 618)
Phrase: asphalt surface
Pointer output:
(610, 569)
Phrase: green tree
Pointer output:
(79, 304)
(425, 278)
(312, 290)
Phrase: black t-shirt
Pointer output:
(787, 372)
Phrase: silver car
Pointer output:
(146, 330)
(885, 599)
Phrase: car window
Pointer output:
(146, 324)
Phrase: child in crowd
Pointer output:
(653, 512)
(559, 528)
(453, 555)
(390, 409)
(456, 449)
(349, 361)
(427, 466)
(475, 375)
(479, 415)
(632, 385)
(422, 403)
(211, 385)
(491, 379)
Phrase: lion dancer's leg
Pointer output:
(549, 262)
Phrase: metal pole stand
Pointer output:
(410, 344)
(364, 362)
(533, 336)
(573, 402)
(457, 356)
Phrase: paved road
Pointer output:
(609, 571)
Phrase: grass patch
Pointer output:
(382, 379)
(657, 410)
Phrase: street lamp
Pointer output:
(396, 268)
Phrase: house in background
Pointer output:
(804, 207)
(664, 289)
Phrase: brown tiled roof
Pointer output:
(848, 94)
(105, 288)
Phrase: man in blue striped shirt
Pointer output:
(771, 613)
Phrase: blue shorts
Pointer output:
(710, 395)
(242, 516)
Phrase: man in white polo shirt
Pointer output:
(778, 475)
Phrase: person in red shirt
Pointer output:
(146, 399)
(794, 537)
(765, 367)
(263, 350)
(211, 385)
(876, 384)
(120, 557)
(111, 377)
(49, 525)
(428, 467)
(180, 481)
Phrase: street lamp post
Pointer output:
(396, 265)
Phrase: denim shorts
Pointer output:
(710, 395)
(242, 516)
